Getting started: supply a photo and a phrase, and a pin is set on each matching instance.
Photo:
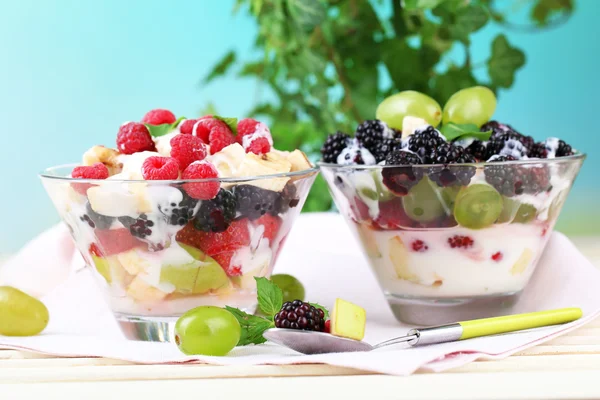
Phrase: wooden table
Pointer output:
(566, 367)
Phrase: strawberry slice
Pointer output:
(224, 260)
(272, 224)
(237, 235)
(114, 241)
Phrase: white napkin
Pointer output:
(322, 253)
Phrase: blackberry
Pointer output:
(95, 220)
(507, 132)
(448, 174)
(215, 215)
(254, 202)
(371, 133)
(423, 142)
(179, 214)
(356, 154)
(333, 146)
(383, 148)
(287, 198)
(300, 315)
(140, 227)
(399, 180)
(477, 149)
(513, 180)
(506, 145)
(551, 148)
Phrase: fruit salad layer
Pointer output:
(162, 226)
(458, 209)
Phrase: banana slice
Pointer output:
(299, 161)
(410, 124)
(267, 164)
(228, 160)
(104, 155)
(139, 290)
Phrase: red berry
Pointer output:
(205, 126)
(159, 116)
(271, 224)
(160, 169)
(94, 250)
(134, 137)
(114, 241)
(220, 137)
(419, 246)
(460, 241)
(212, 243)
(392, 215)
(186, 149)
(96, 171)
(201, 190)
(259, 145)
(224, 260)
(187, 126)
(497, 256)
(246, 126)
(328, 326)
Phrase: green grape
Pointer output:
(526, 213)
(291, 287)
(474, 105)
(422, 203)
(21, 314)
(477, 206)
(207, 330)
(393, 109)
(516, 212)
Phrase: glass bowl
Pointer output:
(452, 242)
(157, 252)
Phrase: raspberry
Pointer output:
(259, 145)
(254, 202)
(461, 242)
(95, 171)
(201, 190)
(220, 137)
(449, 175)
(327, 326)
(187, 126)
(205, 125)
(160, 169)
(333, 146)
(115, 241)
(271, 225)
(371, 133)
(392, 215)
(187, 149)
(134, 137)
(235, 236)
(215, 215)
(301, 316)
(224, 260)
(419, 246)
(399, 180)
(246, 126)
(497, 256)
(159, 116)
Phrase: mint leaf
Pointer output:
(315, 305)
(163, 129)
(252, 326)
(307, 13)
(270, 296)
(452, 131)
(231, 123)
(504, 62)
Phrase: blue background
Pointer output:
(72, 71)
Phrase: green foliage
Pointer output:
(328, 63)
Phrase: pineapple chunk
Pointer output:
(139, 290)
(522, 262)
(410, 124)
(399, 257)
(348, 320)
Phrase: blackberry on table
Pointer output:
(301, 316)
(140, 227)
(333, 146)
(215, 215)
(371, 133)
(383, 148)
(179, 214)
(95, 220)
(254, 202)
(447, 174)
(400, 178)
(423, 142)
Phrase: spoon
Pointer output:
(310, 342)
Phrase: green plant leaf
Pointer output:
(421, 4)
(307, 13)
(504, 62)
(230, 121)
(221, 67)
(163, 129)
(468, 20)
(544, 10)
(452, 131)
(450, 82)
(326, 317)
(270, 296)
(252, 326)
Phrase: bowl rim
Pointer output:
(547, 161)
(47, 174)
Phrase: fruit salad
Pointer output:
(448, 204)
(182, 212)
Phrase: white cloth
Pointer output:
(321, 253)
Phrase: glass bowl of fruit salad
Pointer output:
(182, 213)
(452, 220)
